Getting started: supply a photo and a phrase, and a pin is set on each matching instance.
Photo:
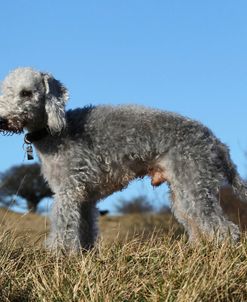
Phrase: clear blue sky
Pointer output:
(184, 56)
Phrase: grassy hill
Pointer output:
(138, 258)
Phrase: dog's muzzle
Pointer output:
(7, 129)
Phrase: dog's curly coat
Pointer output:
(89, 153)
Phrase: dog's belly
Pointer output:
(158, 176)
(116, 180)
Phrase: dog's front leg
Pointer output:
(73, 222)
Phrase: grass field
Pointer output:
(138, 258)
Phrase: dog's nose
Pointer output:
(3, 122)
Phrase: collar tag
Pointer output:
(29, 150)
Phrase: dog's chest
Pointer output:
(53, 170)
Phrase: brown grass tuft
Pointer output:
(151, 265)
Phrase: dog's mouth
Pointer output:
(10, 127)
(10, 132)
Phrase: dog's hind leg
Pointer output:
(201, 215)
(196, 203)
(73, 223)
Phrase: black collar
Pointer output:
(36, 135)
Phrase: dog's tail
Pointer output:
(240, 187)
(238, 184)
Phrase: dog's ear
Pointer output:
(56, 97)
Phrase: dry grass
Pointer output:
(144, 266)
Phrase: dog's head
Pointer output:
(33, 100)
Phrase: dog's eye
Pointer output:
(26, 93)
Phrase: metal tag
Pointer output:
(29, 151)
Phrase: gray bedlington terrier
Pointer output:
(89, 153)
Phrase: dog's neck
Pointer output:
(34, 136)
(43, 141)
